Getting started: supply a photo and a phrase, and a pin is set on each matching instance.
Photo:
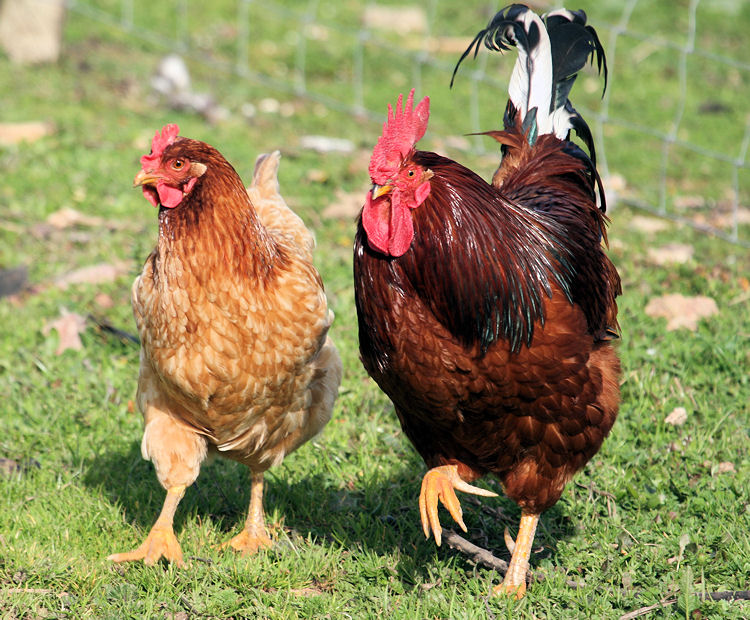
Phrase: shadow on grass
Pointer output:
(376, 515)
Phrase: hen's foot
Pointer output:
(514, 583)
(160, 543)
(249, 542)
(254, 537)
(439, 484)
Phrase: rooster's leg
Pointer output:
(439, 484)
(161, 541)
(254, 536)
(515, 579)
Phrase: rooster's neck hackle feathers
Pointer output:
(551, 52)
(402, 130)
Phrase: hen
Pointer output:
(233, 322)
(486, 313)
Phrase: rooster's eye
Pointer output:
(411, 173)
(178, 163)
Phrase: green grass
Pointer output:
(651, 517)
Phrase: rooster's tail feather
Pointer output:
(551, 52)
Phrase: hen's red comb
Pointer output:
(401, 132)
(158, 144)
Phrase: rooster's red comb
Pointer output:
(401, 132)
(158, 144)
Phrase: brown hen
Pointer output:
(233, 322)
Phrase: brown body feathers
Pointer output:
(484, 334)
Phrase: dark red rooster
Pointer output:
(485, 312)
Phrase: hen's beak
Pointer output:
(144, 178)
(380, 190)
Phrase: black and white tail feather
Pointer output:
(551, 51)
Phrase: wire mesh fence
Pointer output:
(678, 88)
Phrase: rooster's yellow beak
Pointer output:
(380, 190)
(144, 178)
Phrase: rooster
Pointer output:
(486, 311)
(233, 322)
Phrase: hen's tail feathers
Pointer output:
(551, 52)
(265, 176)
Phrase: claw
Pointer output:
(440, 483)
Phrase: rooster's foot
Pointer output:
(439, 484)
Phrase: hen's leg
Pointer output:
(254, 536)
(161, 541)
(439, 484)
(515, 579)
(177, 452)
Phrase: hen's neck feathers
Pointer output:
(216, 229)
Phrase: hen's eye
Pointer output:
(411, 173)
(177, 164)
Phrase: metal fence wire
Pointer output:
(325, 51)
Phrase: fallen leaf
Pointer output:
(316, 175)
(69, 327)
(103, 300)
(428, 586)
(93, 274)
(440, 45)
(399, 20)
(726, 467)
(677, 417)
(306, 591)
(615, 182)
(646, 224)
(681, 311)
(346, 206)
(672, 253)
(689, 202)
(15, 133)
(67, 217)
(724, 219)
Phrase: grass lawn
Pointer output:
(661, 513)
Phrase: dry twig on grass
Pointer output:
(729, 595)
(485, 558)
